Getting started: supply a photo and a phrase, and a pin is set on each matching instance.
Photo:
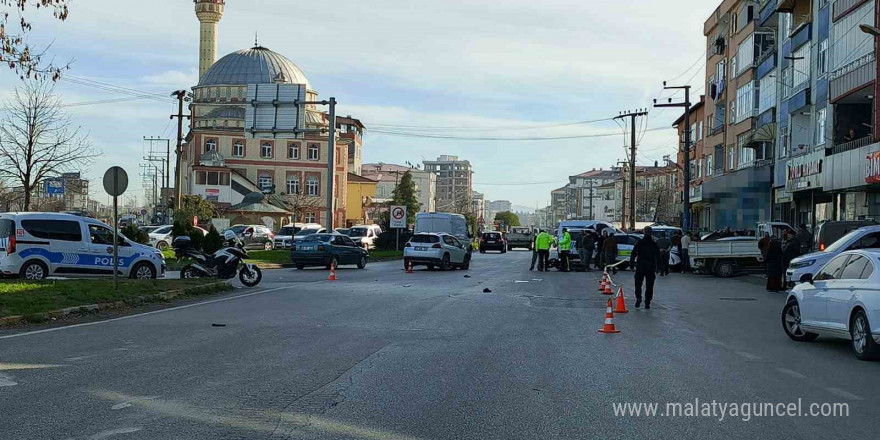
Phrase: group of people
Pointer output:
(586, 244)
(778, 254)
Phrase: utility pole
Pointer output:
(180, 95)
(623, 193)
(167, 165)
(632, 160)
(686, 196)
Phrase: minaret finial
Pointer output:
(256, 39)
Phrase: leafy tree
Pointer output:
(136, 235)
(193, 206)
(405, 195)
(14, 49)
(213, 241)
(37, 139)
(507, 218)
(183, 228)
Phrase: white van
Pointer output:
(452, 224)
(594, 225)
(34, 245)
(365, 235)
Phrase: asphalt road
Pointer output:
(381, 354)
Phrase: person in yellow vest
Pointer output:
(542, 244)
(564, 251)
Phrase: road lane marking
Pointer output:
(154, 312)
(112, 432)
(6, 366)
(6, 381)
(791, 373)
(845, 394)
(749, 356)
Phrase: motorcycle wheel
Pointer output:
(189, 272)
(253, 280)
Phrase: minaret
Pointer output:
(209, 13)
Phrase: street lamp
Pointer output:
(870, 30)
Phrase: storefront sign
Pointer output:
(872, 168)
(805, 172)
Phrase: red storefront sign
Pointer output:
(872, 170)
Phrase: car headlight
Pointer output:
(802, 264)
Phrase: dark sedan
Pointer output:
(327, 249)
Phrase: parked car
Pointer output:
(829, 232)
(284, 236)
(325, 249)
(343, 231)
(842, 301)
(365, 235)
(440, 250)
(863, 238)
(148, 229)
(161, 237)
(303, 233)
(493, 241)
(35, 245)
(521, 237)
(254, 236)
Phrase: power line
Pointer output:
(466, 138)
(494, 128)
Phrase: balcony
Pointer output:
(801, 35)
(743, 115)
(853, 76)
(851, 145)
(842, 8)
(767, 14)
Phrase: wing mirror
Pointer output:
(807, 278)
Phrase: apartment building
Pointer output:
(455, 185)
(740, 53)
(702, 162)
(583, 193)
(389, 174)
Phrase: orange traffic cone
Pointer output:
(609, 320)
(409, 267)
(607, 290)
(603, 282)
(332, 272)
(621, 303)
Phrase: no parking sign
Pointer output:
(398, 217)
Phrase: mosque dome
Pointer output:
(256, 65)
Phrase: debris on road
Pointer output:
(218, 325)
(487, 290)
(467, 276)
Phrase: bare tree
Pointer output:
(300, 204)
(15, 52)
(37, 140)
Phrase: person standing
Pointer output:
(805, 239)
(685, 254)
(645, 258)
(542, 243)
(763, 244)
(586, 245)
(565, 251)
(600, 242)
(534, 252)
(609, 252)
(665, 245)
(791, 249)
(773, 263)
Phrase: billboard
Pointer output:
(272, 113)
(55, 187)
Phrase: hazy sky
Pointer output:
(476, 69)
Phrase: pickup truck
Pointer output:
(730, 256)
(520, 237)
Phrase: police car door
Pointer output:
(101, 251)
(60, 242)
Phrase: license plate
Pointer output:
(307, 248)
(490, 241)
(421, 248)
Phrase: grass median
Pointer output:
(32, 298)
(383, 255)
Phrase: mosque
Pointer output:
(223, 164)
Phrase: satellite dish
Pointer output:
(252, 198)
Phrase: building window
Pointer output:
(745, 103)
(292, 185)
(745, 55)
(240, 93)
(265, 181)
(822, 61)
(699, 169)
(734, 23)
(214, 178)
(238, 149)
(293, 151)
(731, 158)
(767, 95)
(709, 165)
(699, 130)
(210, 145)
(800, 68)
(312, 186)
(314, 152)
(311, 217)
(266, 150)
(784, 141)
(821, 121)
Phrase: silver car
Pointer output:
(436, 250)
(867, 237)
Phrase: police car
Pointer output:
(35, 245)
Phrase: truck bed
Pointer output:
(725, 249)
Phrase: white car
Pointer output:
(863, 238)
(842, 301)
(365, 235)
(436, 250)
(161, 237)
(303, 233)
(34, 245)
(284, 237)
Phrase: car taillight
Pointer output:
(321, 247)
(11, 248)
(437, 246)
(821, 246)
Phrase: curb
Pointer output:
(92, 308)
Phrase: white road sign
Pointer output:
(398, 217)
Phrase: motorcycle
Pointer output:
(224, 264)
